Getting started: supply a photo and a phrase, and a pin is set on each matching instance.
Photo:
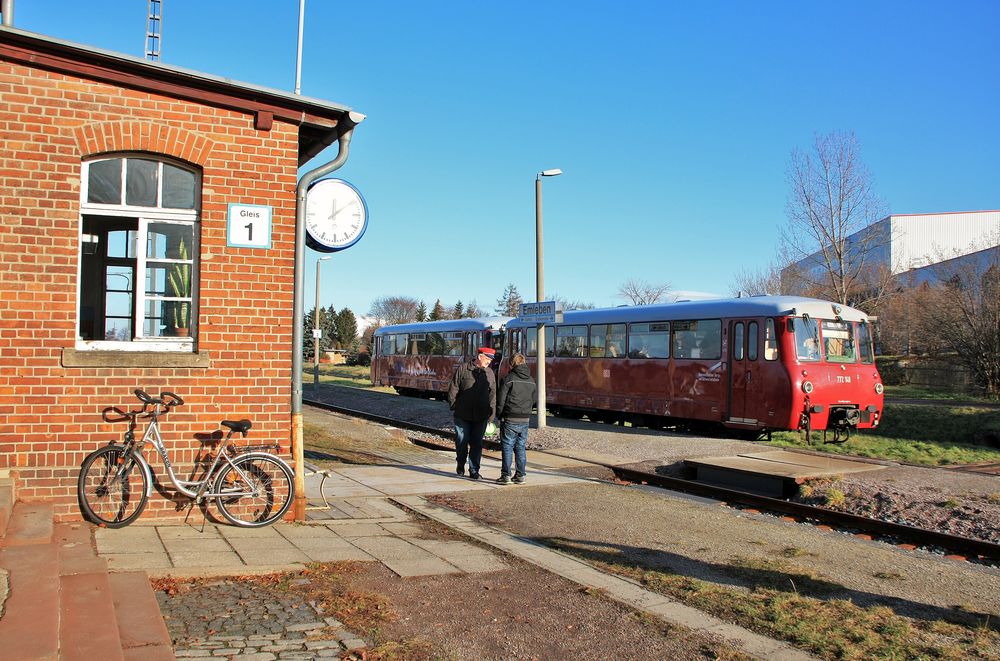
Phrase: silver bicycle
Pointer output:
(251, 486)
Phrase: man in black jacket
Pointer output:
(472, 396)
(517, 397)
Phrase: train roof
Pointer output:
(753, 306)
(445, 325)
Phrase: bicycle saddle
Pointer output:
(242, 426)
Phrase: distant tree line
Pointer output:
(339, 331)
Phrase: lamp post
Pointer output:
(316, 331)
(540, 289)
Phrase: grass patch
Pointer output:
(926, 435)
(921, 392)
(787, 604)
(352, 376)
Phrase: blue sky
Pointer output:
(673, 123)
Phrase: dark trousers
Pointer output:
(469, 442)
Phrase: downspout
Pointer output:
(7, 9)
(351, 120)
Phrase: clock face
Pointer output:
(336, 215)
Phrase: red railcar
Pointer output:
(419, 358)
(756, 364)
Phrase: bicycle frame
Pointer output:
(193, 489)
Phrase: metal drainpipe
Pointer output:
(344, 142)
(7, 8)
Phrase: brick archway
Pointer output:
(121, 136)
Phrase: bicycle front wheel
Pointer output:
(112, 487)
(255, 491)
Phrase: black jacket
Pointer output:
(472, 392)
(518, 395)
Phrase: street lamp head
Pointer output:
(550, 173)
(323, 259)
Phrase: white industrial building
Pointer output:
(909, 243)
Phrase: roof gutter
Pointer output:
(344, 132)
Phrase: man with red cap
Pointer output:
(472, 397)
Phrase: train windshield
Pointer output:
(865, 343)
(806, 338)
(838, 342)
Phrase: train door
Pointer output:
(744, 372)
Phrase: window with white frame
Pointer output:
(139, 238)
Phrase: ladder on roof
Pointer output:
(154, 20)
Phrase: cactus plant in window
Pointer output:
(179, 286)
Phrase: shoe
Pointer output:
(518, 479)
(503, 479)
(473, 476)
(460, 470)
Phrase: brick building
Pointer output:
(147, 241)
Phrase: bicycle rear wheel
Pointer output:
(255, 491)
(111, 487)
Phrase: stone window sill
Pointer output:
(75, 358)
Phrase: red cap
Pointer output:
(489, 352)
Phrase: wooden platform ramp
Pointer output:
(776, 473)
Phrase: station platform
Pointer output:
(775, 473)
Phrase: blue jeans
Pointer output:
(469, 442)
(512, 442)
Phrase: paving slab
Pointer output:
(134, 539)
(335, 553)
(429, 566)
(390, 548)
(137, 561)
(253, 555)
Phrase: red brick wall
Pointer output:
(50, 415)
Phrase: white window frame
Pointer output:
(144, 216)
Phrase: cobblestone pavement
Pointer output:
(229, 619)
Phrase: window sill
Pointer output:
(76, 358)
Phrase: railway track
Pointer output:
(900, 534)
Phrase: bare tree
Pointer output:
(961, 310)
(640, 292)
(765, 281)
(389, 310)
(832, 209)
(571, 305)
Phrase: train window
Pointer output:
(607, 341)
(701, 339)
(806, 338)
(649, 340)
(414, 344)
(452, 344)
(388, 345)
(838, 342)
(531, 347)
(770, 341)
(752, 340)
(571, 341)
(738, 342)
(865, 343)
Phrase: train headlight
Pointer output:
(807, 387)
(878, 388)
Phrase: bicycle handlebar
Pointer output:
(174, 400)
(166, 398)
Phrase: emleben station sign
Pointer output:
(543, 312)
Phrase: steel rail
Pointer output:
(910, 534)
